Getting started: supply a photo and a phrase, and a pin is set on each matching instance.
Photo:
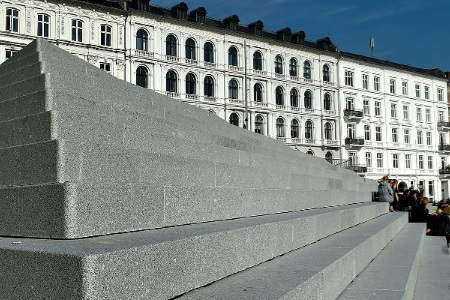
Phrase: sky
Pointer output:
(410, 32)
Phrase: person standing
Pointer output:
(385, 193)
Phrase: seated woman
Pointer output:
(419, 212)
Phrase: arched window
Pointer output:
(171, 81)
(233, 89)
(171, 45)
(142, 77)
(294, 129)
(43, 25)
(293, 67)
(327, 131)
(234, 119)
(307, 70)
(190, 49)
(209, 52)
(308, 129)
(279, 97)
(307, 101)
(232, 56)
(209, 86)
(327, 101)
(294, 98)
(77, 31)
(141, 40)
(257, 60)
(329, 157)
(278, 65)
(191, 84)
(326, 73)
(280, 127)
(259, 124)
(257, 91)
(12, 20)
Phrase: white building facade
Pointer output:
(380, 117)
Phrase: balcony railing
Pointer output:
(444, 148)
(443, 126)
(354, 141)
(348, 164)
(445, 171)
(352, 113)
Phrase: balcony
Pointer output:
(353, 114)
(143, 53)
(444, 148)
(354, 142)
(444, 173)
(259, 72)
(349, 164)
(443, 126)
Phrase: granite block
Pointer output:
(23, 106)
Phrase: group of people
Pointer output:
(416, 204)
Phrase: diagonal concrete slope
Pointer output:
(85, 154)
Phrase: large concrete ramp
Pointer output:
(112, 191)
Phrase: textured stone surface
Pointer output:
(393, 273)
(113, 143)
(163, 263)
(318, 271)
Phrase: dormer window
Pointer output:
(284, 34)
(256, 27)
(143, 5)
(232, 22)
(179, 11)
(299, 37)
(198, 15)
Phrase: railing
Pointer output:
(443, 124)
(259, 72)
(445, 171)
(235, 68)
(190, 61)
(172, 58)
(209, 64)
(444, 147)
(143, 53)
(257, 103)
(354, 141)
(348, 164)
(353, 113)
(279, 76)
(173, 94)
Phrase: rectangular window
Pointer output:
(440, 94)
(405, 88)
(366, 107)
(430, 162)
(377, 108)
(395, 135)
(9, 53)
(367, 132)
(395, 161)
(378, 134)
(394, 110)
(427, 115)
(392, 86)
(421, 162)
(405, 112)
(419, 137)
(379, 160)
(106, 67)
(419, 114)
(440, 116)
(428, 138)
(12, 20)
(368, 159)
(430, 188)
(376, 83)
(43, 26)
(77, 31)
(427, 92)
(105, 35)
(408, 161)
(349, 78)
(417, 90)
(406, 136)
(365, 81)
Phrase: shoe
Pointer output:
(391, 208)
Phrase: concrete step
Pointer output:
(21, 74)
(92, 209)
(23, 88)
(164, 263)
(19, 61)
(393, 273)
(319, 271)
(23, 106)
(26, 130)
